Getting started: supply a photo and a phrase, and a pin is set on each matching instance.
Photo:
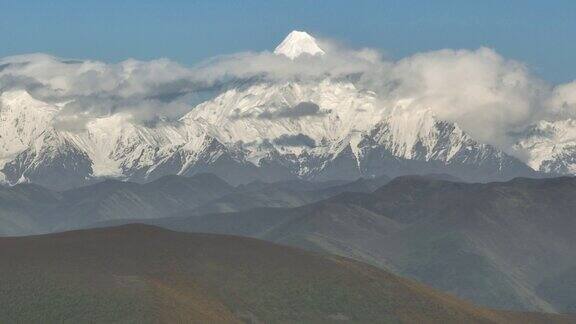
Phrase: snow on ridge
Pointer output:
(298, 43)
(256, 123)
(550, 146)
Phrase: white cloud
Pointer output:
(487, 95)
(562, 102)
(484, 93)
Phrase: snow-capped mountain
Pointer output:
(550, 146)
(298, 43)
(267, 130)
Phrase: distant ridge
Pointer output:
(506, 243)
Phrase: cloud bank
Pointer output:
(489, 96)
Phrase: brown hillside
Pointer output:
(139, 273)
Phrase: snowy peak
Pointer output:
(298, 43)
(550, 146)
(269, 131)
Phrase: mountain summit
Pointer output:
(298, 43)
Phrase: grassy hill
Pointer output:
(139, 274)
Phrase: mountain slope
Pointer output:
(499, 235)
(145, 274)
(27, 209)
(24, 208)
(499, 240)
(31, 209)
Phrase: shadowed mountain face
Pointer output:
(505, 245)
(286, 194)
(493, 243)
(31, 209)
(138, 273)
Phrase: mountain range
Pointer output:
(498, 239)
(257, 129)
(27, 209)
(493, 243)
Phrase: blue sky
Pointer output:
(539, 33)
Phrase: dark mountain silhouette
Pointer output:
(31, 209)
